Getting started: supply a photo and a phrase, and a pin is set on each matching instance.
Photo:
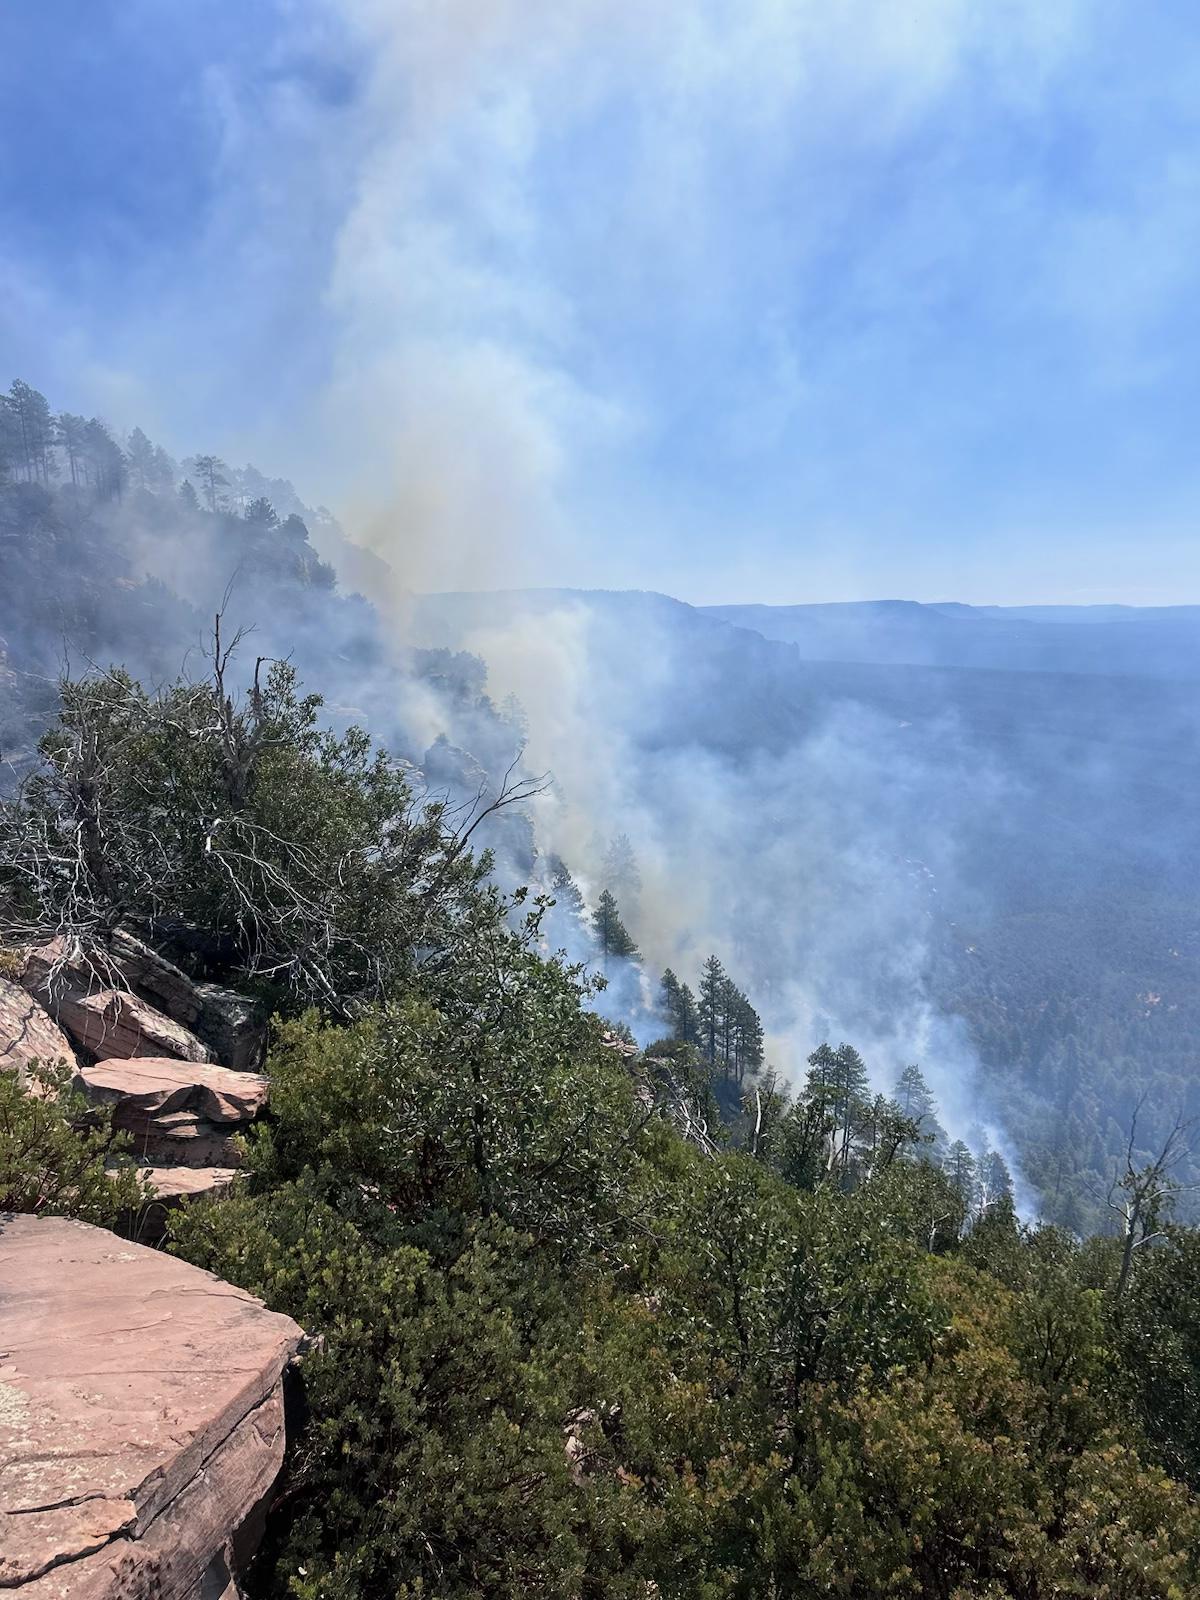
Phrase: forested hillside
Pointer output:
(570, 1337)
(991, 871)
(994, 870)
(113, 553)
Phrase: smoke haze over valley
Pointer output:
(599, 753)
(952, 835)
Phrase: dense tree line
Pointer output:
(566, 1349)
(81, 458)
(718, 1019)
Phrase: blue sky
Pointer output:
(773, 301)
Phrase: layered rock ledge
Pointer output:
(141, 1418)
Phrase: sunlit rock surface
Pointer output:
(104, 1020)
(27, 1031)
(141, 1418)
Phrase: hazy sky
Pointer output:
(739, 299)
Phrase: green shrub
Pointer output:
(58, 1156)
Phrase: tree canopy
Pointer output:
(566, 1345)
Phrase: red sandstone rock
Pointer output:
(141, 1418)
(158, 1086)
(104, 1021)
(178, 1138)
(184, 1183)
(27, 1031)
(231, 1024)
(165, 1187)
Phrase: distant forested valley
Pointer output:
(904, 842)
(730, 1122)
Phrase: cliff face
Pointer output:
(141, 1418)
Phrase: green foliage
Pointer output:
(59, 1157)
(495, 1098)
(613, 939)
(724, 1024)
(302, 855)
(561, 1348)
(1158, 1350)
(563, 1351)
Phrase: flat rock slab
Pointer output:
(141, 1417)
(165, 1188)
(185, 1183)
(27, 1031)
(159, 1086)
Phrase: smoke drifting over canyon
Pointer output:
(979, 865)
(805, 840)
(978, 869)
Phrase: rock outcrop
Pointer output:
(143, 1036)
(101, 1019)
(183, 1120)
(141, 1418)
(232, 1025)
(159, 1086)
(27, 1031)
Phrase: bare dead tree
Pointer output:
(1141, 1197)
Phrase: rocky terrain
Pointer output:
(141, 1418)
(141, 1400)
(170, 1056)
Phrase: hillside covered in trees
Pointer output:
(578, 1331)
(995, 863)
(602, 1303)
(999, 863)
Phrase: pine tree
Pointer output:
(70, 432)
(188, 496)
(915, 1100)
(750, 1045)
(563, 886)
(612, 937)
(668, 992)
(839, 1088)
(34, 431)
(260, 513)
(712, 994)
(960, 1169)
(995, 1183)
(105, 460)
(211, 470)
(852, 1099)
(139, 453)
(567, 921)
(689, 1020)
(731, 1002)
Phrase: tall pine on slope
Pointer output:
(613, 939)
(915, 1099)
(678, 1004)
(712, 997)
